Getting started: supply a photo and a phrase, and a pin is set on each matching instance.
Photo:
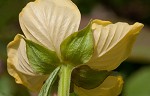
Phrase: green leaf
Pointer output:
(78, 47)
(41, 59)
(88, 78)
(48, 86)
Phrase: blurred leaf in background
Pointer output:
(9, 88)
(138, 84)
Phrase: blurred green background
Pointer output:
(135, 70)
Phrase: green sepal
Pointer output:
(88, 78)
(48, 86)
(41, 59)
(78, 47)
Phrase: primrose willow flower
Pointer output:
(50, 27)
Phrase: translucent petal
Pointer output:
(18, 66)
(49, 22)
(113, 44)
(112, 86)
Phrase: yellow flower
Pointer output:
(49, 22)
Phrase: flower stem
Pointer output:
(64, 82)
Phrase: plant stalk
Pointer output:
(65, 79)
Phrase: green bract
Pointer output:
(87, 78)
(78, 47)
(41, 59)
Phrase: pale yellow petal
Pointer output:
(96, 26)
(49, 22)
(97, 22)
(18, 66)
(113, 44)
(112, 86)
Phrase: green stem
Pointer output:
(64, 82)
